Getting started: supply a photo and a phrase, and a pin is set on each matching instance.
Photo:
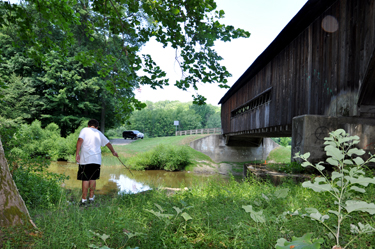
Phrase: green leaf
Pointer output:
(256, 216)
(159, 207)
(361, 180)
(175, 11)
(131, 235)
(358, 161)
(352, 206)
(332, 161)
(318, 187)
(355, 188)
(160, 215)
(305, 164)
(300, 242)
(281, 193)
(186, 216)
(334, 152)
(334, 212)
(265, 197)
(336, 175)
(306, 155)
(311, 210)
(177, 210)
(318, 216)
(356, 151)
(361, 229)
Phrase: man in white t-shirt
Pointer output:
(89, 142)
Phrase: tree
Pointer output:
(157, 119)
(206, 111)
(190, 27)
(12, 207)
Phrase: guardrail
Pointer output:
(199, 131)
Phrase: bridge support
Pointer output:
(309, 132)
(220, 148)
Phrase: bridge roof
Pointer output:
(308, 13)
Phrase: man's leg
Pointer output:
(85, 188)
(92, 184)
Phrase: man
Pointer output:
(89, 142)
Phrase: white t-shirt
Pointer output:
(90, 148)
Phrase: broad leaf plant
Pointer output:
(346, 181)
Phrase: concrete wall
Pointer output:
(309, 132)
(214, 147)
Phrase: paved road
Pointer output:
(121, 141)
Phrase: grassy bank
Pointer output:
(209, 215)
(140, 146)
(278, 155)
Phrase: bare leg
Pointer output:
(92, 188)
(85, 188)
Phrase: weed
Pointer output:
(345, 185)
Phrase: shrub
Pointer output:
(165, 157)
(38, 190)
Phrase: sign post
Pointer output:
(176, 123)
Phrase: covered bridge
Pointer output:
(316, 76)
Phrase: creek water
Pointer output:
(119, 179)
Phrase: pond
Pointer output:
(119, 179)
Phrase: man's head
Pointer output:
(93, 122)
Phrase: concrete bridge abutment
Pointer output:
(309, 131)
(219, 150)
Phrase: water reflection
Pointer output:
(127, 185)
(118, 179)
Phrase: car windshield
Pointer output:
(136, 132)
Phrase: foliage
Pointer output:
(300, 242)
(346, 185)
(190, 27)
(209, 114)
(38, 190)
(165, 157)
(283, 141)
(59, 88)
(19, 102)
(157, 119)
(115, 132)
(32, 142)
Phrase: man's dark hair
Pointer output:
(94, 122)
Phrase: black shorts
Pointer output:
(88, 172)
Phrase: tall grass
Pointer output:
(157, 219)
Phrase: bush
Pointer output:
(38, 190)
(165, 157)
(32, 141)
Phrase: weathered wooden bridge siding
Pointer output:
(318, 72)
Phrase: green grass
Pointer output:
(147, 144)
(215, 206)
(280, 155)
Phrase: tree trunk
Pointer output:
(12, 207)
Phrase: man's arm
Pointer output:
(109, 145)
(78, 148)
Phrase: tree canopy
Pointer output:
(99, 41)
(157, 119)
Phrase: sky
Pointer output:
(264, 19)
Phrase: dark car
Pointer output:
(132, 134)
(129, 134)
